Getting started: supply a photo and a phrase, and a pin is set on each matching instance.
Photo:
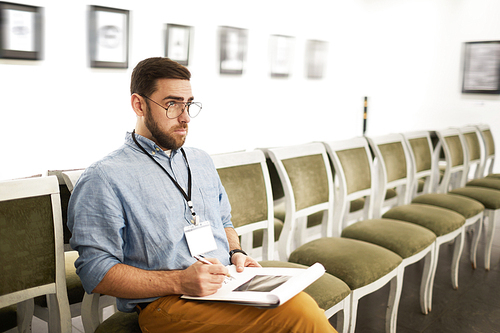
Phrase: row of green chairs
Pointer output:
(374, 247)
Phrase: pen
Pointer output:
(205, 261)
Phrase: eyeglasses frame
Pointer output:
(186, 104)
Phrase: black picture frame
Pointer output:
(21, 31)
(108, 37)
(281, 51)
(316, 58)
(233, 49)
(178, 43)
(481, 70)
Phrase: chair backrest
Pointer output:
(456, 159)
(489, 145)
(353, 180)
(246, 180)
(476, 151)
(423, 160)
(393, 170)
(32, 253)
(306, 177)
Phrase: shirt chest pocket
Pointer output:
(209, 208)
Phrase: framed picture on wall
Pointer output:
(481, 73)
(20, 31)
(177, 44)
(108, 37)
(233, 49)
(281, 50)
(316, 57)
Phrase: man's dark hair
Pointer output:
(148, 71)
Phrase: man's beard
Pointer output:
(164, 140)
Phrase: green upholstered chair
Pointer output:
(32, 252)
(306, 176)
(424, 167)
(354, 179)
(246, 180)
(455, 180)
(392, 162)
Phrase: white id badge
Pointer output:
(200, 238)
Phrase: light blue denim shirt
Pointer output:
(125, 209)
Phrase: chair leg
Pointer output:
(354, 314)
(346, 317)
(393, 302)
(490, 231)
(25, 311)
(478, 227)
(427, 274)
(457, 252)
(433, 275)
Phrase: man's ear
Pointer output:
(138, 104)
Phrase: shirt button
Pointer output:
(157, 149)
(153, 152)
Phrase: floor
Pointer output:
(474, 307)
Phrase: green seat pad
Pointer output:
(357, 204)
(120, 322)
(440, 221)
(357, 263)
(493, 175)
(491, 182)
(490, 198)
(462, 205)
(8, 318)
(258, 235)
(390, 193)
(403, 238)
(73, 283)
(326, 291)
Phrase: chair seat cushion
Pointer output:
(120, 322)
(357, 204)
(491, 182)
(73, 282)
(439, 220)
(493, 175)
(258, 235)
(465, 206)
(490, 198)
(355, 262)
(403, 238)
(326, 291)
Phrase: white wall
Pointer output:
(405, 55)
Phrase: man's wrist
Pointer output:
(233, 252)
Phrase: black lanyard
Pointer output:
(186, 196)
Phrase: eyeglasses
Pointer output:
(175, 109)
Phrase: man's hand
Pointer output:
(240, 261)
(201, 279)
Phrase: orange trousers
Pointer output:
(300, 314)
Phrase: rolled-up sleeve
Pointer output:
(96, 221)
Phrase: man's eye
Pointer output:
(171, 103)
